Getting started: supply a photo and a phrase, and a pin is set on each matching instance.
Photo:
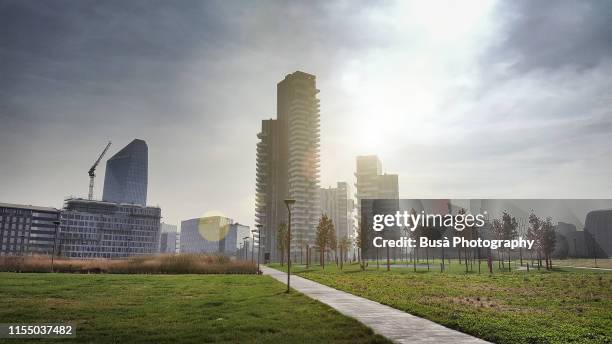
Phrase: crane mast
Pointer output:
(92, 171)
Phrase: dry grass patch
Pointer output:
(159, 264)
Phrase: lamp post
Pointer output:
(258, 244)
(289, 202)
(253, 250)
(56, 223)
(246, 249)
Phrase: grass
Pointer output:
(157, 264)
(513, 307)
(174, 309)
(588, 263)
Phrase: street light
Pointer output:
(289, 202)
(258, 244)
(56, 223)
(246, 249)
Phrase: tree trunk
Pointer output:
(388, 263)
(322, 258)
(509, 267)
(459, 255)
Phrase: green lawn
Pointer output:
(565, 306)
(174, 309)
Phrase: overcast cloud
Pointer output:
(461, 99)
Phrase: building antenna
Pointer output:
(92, 171)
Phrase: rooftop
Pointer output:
(28, 207)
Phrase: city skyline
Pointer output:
(504, 114)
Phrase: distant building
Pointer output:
(338, 204)
(27, 229)
(125, 180)
(213, 234)
(598, 232)
(98, 229)
(288, 163)
(168, 239)
(569, 242)
(372, 183)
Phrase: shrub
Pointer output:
(159, 264)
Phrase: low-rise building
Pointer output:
(212, 234)
(98, 229)
(168, 239)
(27, 229)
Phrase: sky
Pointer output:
(469, 99)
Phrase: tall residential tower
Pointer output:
(288, 163)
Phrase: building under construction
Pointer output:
(98, 229)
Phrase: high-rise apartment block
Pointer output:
(27, 229)
(288, 163)
(126, 175)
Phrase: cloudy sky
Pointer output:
(461, 99)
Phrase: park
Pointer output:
(562, 305)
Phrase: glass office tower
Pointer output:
(126, 175)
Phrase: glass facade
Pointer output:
(125, 180)
(94, 229)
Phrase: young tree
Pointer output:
(281, 241)
(509, 230)
(302, 243)
(332, 240)
(343, 246)
(416, 235)
(358, 245)
(322, 237)
(498, 232)
(548, 241)
(466, 233)
(534, 233)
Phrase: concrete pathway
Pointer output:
(578, 267)
(396, 325)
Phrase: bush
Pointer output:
(160, 264)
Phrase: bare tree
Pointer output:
(548, 241)
(509, 231)
(343, 246)
(535, 233)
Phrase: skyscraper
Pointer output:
(269, 188)
(125, 180)
(288, 163)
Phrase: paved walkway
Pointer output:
(398, 326)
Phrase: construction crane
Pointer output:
(92, 171)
